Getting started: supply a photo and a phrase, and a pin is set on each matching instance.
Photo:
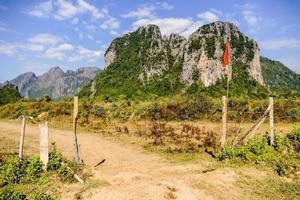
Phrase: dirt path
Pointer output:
(130, 172)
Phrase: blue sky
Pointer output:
(36, 35)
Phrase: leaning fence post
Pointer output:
(224, 121)
(75, 117)
(22, 137)
(44, 145)
(271, 121)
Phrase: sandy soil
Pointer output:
(130, 172)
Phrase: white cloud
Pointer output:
(183, 26)
(64, 9)
(35, 47)
(164, 5)
(90, 37)
(115, 33)
(250, 16)
(75, 21)
(82, 53)
(84, 7)
(45, 39)
(2, 26)
(142, 12)
(111, 24)
(219, 12)
(208, 16)
(8, 48)
(167, 25)
(148, 11)
(58, 52)
(190, 29)
(91, 28)
(283, 43)
(36, 67)
(42, 10)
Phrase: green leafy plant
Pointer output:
(9, 193)
(13, 170)
(259, 151)
(41, 196)
(34, 169)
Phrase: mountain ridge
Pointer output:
(278, 76)
(55, 82)
(144, 62)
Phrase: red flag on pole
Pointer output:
(226, 54)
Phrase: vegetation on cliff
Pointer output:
(9, 94)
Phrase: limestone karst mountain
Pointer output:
(144, 62)
(56, 83)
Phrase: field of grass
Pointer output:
(182, 135)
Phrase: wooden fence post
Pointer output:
(271, 121)
(22, 137)
(224, 121)
(75, 117)
(44, 145)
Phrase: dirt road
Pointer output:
(132, 173)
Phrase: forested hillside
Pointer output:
(9, 94)
(279, 77)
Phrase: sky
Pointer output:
(36, 35)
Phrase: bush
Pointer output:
(8, 193)
(55, 158)
(281, 168)
(295, 114)
(59, 164)
(256, 151)
(41, 196)
(293, 139)
(99, 111)
(65, 173)
(258, 146)
(34, 169)
(13, 170)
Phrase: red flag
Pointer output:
(226, 54)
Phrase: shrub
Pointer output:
(59, 164)
(34, 169)
(8, 193)
(65, 173)
(13, 170)
(295, 113)
(293, 138)
(99, 111)
(227, 153)
(281, 168)
(55, 158)
(255, 151)
(257, 146)
(41, 196)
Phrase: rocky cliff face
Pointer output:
(201, 55)
(56, 83)
(23, 81)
